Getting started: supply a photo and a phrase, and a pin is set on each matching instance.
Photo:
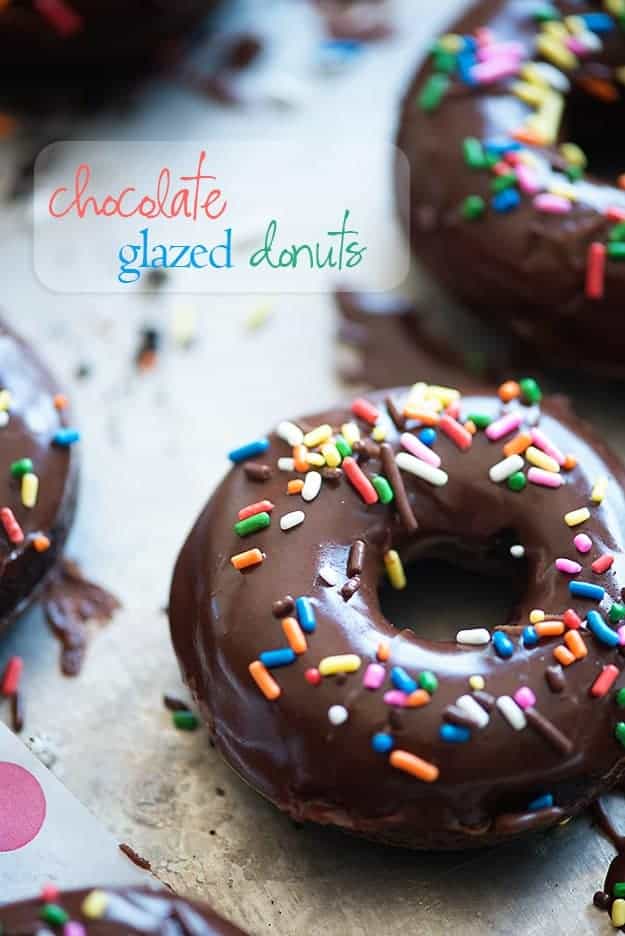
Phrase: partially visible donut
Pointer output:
(39, 475)
(501, 210)
(412, 741)
(108, 911)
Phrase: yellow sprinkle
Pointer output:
(575, 24)
(446, 395)
(417, 391)
(316, 459)
(537, 616)
(344, 663)
(318, 436)
(258, 317)
(451, 42)
(575, 517)
(395, 569)
(541, 459)
(94, 905)
(556, 29)
(5, 400)
(617, 914)
(331, 455)
(556, 52)
(615, 7)
(30, 489)
(573, 154)
(350, 432)
(184, 324)
(477, 683)
(564, 190)
(599, 490)
(529, 92)
(548, 119)
(379, 433)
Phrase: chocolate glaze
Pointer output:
(524, 271)
(29, 434)
(170, 915)
(288, 750)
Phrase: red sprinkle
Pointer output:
(456, 432)
(313, 676)
(615, 214)
(603, 563)
(359, 480)
(12, 528)
(49, 893)
(365, 410)
(595, 271)
(453, 410)
(572, 620)
(604, 681)
(11, 678)
(264, 506)
(61, 16)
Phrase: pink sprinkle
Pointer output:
(484, 35)
(374, 676)
(501, 168)
(524, 697)
(453, 410)
(552, 204)
(513, 158)
(495, 69)
(603, 563)
(575, 45)
(505, 50)
(74, 929)
(568, 566)
(417, 448)
(621, 635)
(583, 543)
(545, 478)
(541, 441)
(527, 179)
(395, 697)
(615, 214)
(504, 426)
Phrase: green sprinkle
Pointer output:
(619, 731)
(473, 207)
(502, 182)
(53, 914)
(444, 62)
(21, 467)
(474, 155)
(383, 489)
(617, 233)
(616, 251)
(620, 698)
(479, 420)
(258, 521)
(185, 720)
(343, 446)
(619, 889)
(517, 481)
(433, 92)
(530, 391)
(545, 13)
(616, 613)
(428, 681)
(574, 173)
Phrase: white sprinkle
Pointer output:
(473, 636)
(552, 76)
(290, 433)
(328, 574)
(293, 519)
(517, 552)
(474, 710)
(511, 712)
(312, 486)
(286, 464)
(420, 469)
(4, 419)
(338, 714)
(504, 469)
(532, 416)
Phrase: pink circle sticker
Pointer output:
(22, 807)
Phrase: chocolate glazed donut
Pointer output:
(35, 443)
(500, 210)
(108, 912)
(327, 710)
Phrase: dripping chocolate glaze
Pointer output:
(221, 620)
(523, 271)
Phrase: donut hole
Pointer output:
(452, 587)
(591, 123)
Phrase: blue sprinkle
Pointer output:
(506, 201)
(601, 630)
(503, 645)
(454, 734)
(464, 63)
(248, 451)
(541, 802)
(428, 436)
(587, 590)
(470, 42)
(381, 743)
(306, 615)
(598, 22)
(500, 147)
(273, 658)
(402, 681)
(530, 637)
(66, 437)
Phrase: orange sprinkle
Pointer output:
(265, 682)
(425, 417)
(295, 635)
(509, 390)
(549, 628)
(60, 401)
(7, 123)
(570, 462)
(294, 486)
(41, 543)
(418, 698)
(574, 641)
(413, 765)
(384, 652)
(246, 559)
(300, 457)
(563, 655)
(621, 181)
(530, 137)
(599, 88)
(470, 426)
(517, 445)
